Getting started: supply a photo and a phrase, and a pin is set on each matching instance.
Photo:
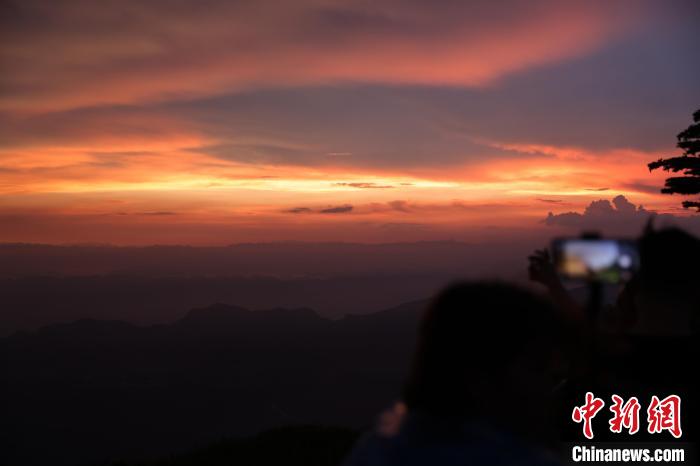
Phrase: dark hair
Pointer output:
(471, 331)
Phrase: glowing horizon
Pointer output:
(327, 121)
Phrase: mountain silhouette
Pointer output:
(44, 284)
(33, 302)
(93, 390)
(222, 317)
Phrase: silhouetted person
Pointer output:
(488, 360)
(654, 351)
(647, 345)
(662, 298)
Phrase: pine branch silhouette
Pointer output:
(688, 164)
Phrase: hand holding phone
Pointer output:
(603, 260)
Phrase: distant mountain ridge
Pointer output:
(32, 302)
(220, 313)
(281, 260)
(44, 284)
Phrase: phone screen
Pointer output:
(608, 260)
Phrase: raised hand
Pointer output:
(541, 268)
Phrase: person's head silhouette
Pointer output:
(664, 297)
(487, 352)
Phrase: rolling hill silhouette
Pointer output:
(33, 302)
(94, 390)
(45, 284)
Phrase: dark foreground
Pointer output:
(95, 392)
(300, 445)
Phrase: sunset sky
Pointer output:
(215, 122)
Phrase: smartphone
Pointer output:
(605, 260)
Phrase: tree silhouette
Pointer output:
(688, 164)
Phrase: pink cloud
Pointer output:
(78, 53)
